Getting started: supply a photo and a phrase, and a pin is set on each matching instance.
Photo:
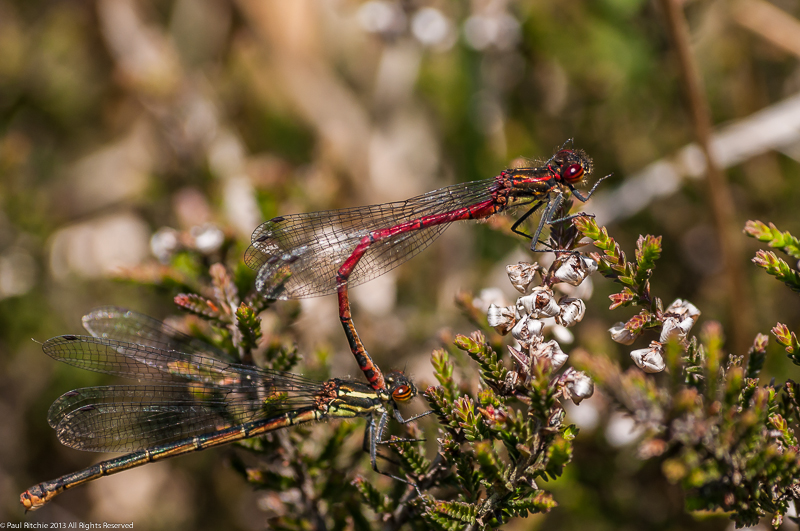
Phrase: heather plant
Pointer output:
(501, 426)
(723, 435)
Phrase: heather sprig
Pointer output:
(728, 439)
(768, 260)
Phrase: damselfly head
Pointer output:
(400, 387)
(574, 165)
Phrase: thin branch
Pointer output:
(719, 193)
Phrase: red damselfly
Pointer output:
(321, 252)
(199, 400)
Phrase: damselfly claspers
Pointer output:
(199, 400)
(321, 252)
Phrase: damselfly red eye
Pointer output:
(402, 393)
(573, 173)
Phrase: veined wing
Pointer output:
(298, 256)
(142, 362)
(113, 322)
(130, 418)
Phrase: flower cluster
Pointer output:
(675, 323)
(537, 309)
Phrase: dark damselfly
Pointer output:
(199, 400)
(324, 252)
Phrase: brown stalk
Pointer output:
(719, 193)
(770, 23)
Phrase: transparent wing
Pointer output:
(130, 418)
(126, 325)
(298, 256)
(199, 394)
(142, 362)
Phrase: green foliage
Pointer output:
(783, 241)
(492, 370)
(778, 268)
(613, 264)
(789, 340)
(725, 437)
(769, 261)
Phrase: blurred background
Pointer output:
(129, 127)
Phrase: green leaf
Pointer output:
(783, 241)
(789, 340)
(371, 495)
(443, 371)
(756, 356)
(469, 421)
(411, 458)
(492, 369)
(249, 326)
(198, 305)
(778, 268)
(462, 512)
(559, 454)
(225, 290)
(443, 409)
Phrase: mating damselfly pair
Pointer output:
(201, 400)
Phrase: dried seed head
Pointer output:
(541, 302)
(501, 319)
(622, 335)
(552, 351)
(651, 359)
(576, 268)
(572, 311)
(522, 275)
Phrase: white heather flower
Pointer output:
(678, 320)
(520, 330)
(579, 385)
(576, 268)
(522, 275)
(561, 334)
(510, 383)
(683, 309)
(552, 351)
(501, 319)
(650, 359)
(535, 326)
(572, 311)
(673, 328)
(489, 296)
(526, 329)
(164, 243)
(208, 238)
(540, 302)
(622, 335)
